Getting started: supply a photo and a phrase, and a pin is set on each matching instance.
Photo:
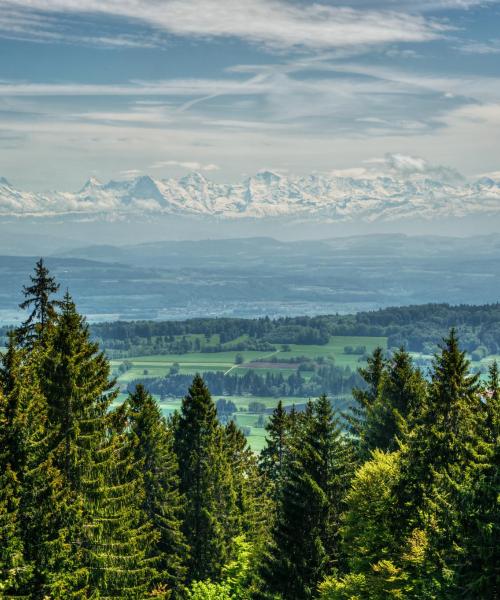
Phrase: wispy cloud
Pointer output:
(487, 47)
(423, 5)
(401, 166)
(130, 173)
(172, 87)
(20, 23)
(190, 165)
(273, 23)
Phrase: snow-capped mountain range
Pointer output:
(267, 194)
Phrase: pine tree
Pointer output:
(365, 398)
(205, 481)
(272, 457)
(98, 536)
(479, 567)
(152, 444)
(434, 458)
(38, 298)
(401, 393)
(21, 418)
(305, 536)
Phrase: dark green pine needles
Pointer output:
(151, 441)
(101, 502)
(206, 483)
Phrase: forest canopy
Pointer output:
(107, 499)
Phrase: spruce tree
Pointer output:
(152, 446)
(253, 507)
(38, 299)
(13, 569)
(205, 481)
(401, 393)
(305, 536)
(479, 567)
(98, 525)
(243, 465)
(272, 457)
(22, 417)
(365, 398)
(434, 460)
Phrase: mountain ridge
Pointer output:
(265, 195)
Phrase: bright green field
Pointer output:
(243, 418)
(193, 362)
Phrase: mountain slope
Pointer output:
(267, 194)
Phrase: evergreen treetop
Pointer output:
(38, 299)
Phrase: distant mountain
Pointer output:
(267, 194)
(263, 276)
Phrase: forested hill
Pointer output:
(418, 328)
(103, 497)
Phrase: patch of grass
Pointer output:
(193, 362)
(199, 362)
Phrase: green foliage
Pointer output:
(366, 398)
(207, 590)
(305, 537)
(436, 458)
(383, 583)
(272, 457)
(206, 483)
(235, 583)
(38, 298)
(99, 501)
(152, 448)
(401, 391)
(367, 529)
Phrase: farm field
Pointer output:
(199, 362)
(144, 367)
(249, 421)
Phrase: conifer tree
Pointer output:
(152, 444)
(253, 507)
(38, 299)
(98, 530)
(205, 481)
(365, 398)
(434, 462)
(479, 567)
(12, 563)
(305, 536)
(401, 392)
(243, 465)
(272, 457)
(13, 570)
(21, 419)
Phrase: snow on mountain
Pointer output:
(266, 194)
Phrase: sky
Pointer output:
(117, 88)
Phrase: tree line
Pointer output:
(106, 500)
(419, 328)
(326, 378)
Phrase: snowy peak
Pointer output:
(370, 197)
(91, 184)
(268, 177)
(145, 188)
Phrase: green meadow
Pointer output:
(199, 362)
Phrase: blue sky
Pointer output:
(111, 88)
